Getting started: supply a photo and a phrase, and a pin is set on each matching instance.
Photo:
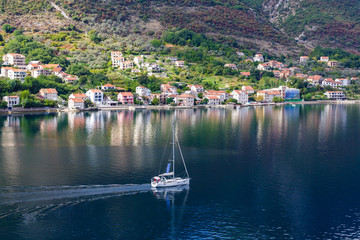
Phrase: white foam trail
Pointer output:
(10, 196)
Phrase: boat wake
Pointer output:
(32, 201)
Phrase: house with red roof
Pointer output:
(49, 93)
(241, 96)
(15, 59)
(248, 89)
(107, 86)
(76, 103)
(96, 96)
(185, 100)
(126, 98)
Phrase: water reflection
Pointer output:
(289, 166)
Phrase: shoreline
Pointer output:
(166, 107)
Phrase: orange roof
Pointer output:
(239, 91)
(48, 90)
(108, 85)
(78, 100)
(213, 97)
(18, 70)
(96, 90)
(185, 96)
(129, 94)
(245, 73)
(57, 69)
(248, 88)
(274, 93)
(16, 54)
(7, 68)
(315, 77)
(79, 95)
(51, 66)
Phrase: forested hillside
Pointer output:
(277, 25)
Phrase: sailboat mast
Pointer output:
(173, 143)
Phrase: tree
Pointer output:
(88, 103)
(200, 95)
(24, 94)
(7, 28)
(259, 98)
(1, 38)
(155, 101)
(278, 100)
(231, 100)
(3, 104)
(169, 100)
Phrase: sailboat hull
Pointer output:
(171, 182)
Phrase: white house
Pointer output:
(18, 74)
(263, 67)
(324, 59)
(76, 103)
(195, 89)
(49, 93)
(231, 65)
(185, 100)
(95, 95)
(240, 96)
(268, 96)
(258, 58)
(143, 91)
(167, 89)
(153, 68)
(248, 89)
(179, 63)
(11, 100)
(14, 59)
(304, 59)
(78, 95)
(126, 65)
(107, 86)
(335, 95)
(213, 100)
(344, 81)
(138, 61)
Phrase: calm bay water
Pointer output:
(290, 172)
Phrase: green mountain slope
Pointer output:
(263, 24)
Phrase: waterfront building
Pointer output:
(185, 100)
(213, 100)
(76, 103)
(49, 93)
(335, 95)
(125, 98)
(78, 95)
(11, 100)
(240, 96)
(95, 95)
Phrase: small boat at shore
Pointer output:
(169, 179)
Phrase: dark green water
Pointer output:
(288, 172)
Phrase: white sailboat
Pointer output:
(169, 179)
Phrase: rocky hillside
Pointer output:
(279, 26)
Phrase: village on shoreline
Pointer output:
(109, 96)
